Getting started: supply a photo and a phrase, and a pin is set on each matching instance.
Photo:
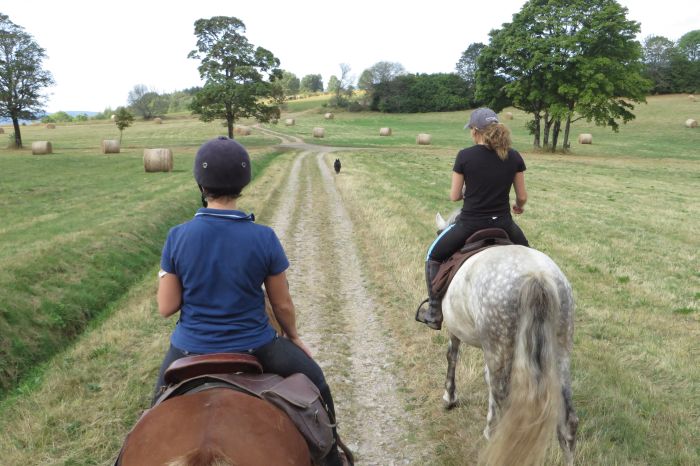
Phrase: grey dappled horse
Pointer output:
(515, 304)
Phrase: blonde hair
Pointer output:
(497, 138)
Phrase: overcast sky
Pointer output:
(98, 51)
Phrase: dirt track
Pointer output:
(336, 314)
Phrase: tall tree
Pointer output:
(333, 84)
(239, 77)
(689, 45)
(658, 53)
(366, 81)
(290, 83)
(312, 83)
(21, 75)
(384, 71)
(123, 118)
(562, 60)
(467, 65)
(147, 103)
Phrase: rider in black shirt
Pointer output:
(482, 176)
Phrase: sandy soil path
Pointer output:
(336, 314)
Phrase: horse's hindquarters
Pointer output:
(242, 428)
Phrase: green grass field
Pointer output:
(81, 234)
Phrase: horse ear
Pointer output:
(440, 222)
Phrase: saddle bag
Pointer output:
(297, 396)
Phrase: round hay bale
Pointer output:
(242, 130)
(328, 116)
(508, 116)
(690, 123)
(424, 139)
(50, 126)
(110, 146)
(157, 120)
(319, 132)
(158, 160)
(585, 138)
(385, 131)
(113, 117)
(41, 148)
(692, 98)
(289, 122)
(2, 131)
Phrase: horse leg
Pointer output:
(449, 398)
(568, 423)
(496, 382)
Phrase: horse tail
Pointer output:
(533, 406)
(206, 456)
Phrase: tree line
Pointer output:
(559, 61)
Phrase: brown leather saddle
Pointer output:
(477, 242)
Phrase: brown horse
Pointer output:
(215, 427)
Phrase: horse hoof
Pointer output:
(448, 403)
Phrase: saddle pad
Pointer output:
(484, 240)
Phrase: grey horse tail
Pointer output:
(534, 403)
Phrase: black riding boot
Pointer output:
(430, 311)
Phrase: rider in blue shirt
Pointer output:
(213, 268)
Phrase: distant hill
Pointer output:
(7, 121)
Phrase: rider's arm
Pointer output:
(282, 306)
(169, 294)
(457, 185)
(520, 192)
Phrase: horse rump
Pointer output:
(202, 457)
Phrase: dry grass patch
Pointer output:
(623, 232)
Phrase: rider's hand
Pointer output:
(297, 341)
(517, 210)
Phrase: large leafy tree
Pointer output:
(467, 65)
(290, 83)
(562, 60)
(147, 103)
(21, 75)
(239, 77)
(658, 55)
(380, 72)
(689, 45)
(312, 83)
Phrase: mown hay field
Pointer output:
(618, 217)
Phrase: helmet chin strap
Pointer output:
(204, 197)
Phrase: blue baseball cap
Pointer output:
(481, 118)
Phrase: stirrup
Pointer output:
(427, 300)
(435, 325)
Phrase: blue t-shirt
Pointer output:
(222, 259)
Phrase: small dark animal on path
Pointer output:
(336, 165)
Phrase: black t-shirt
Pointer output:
(488, 180)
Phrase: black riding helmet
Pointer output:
(222, 165)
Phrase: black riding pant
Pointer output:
(453, 237)
(280, 356)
